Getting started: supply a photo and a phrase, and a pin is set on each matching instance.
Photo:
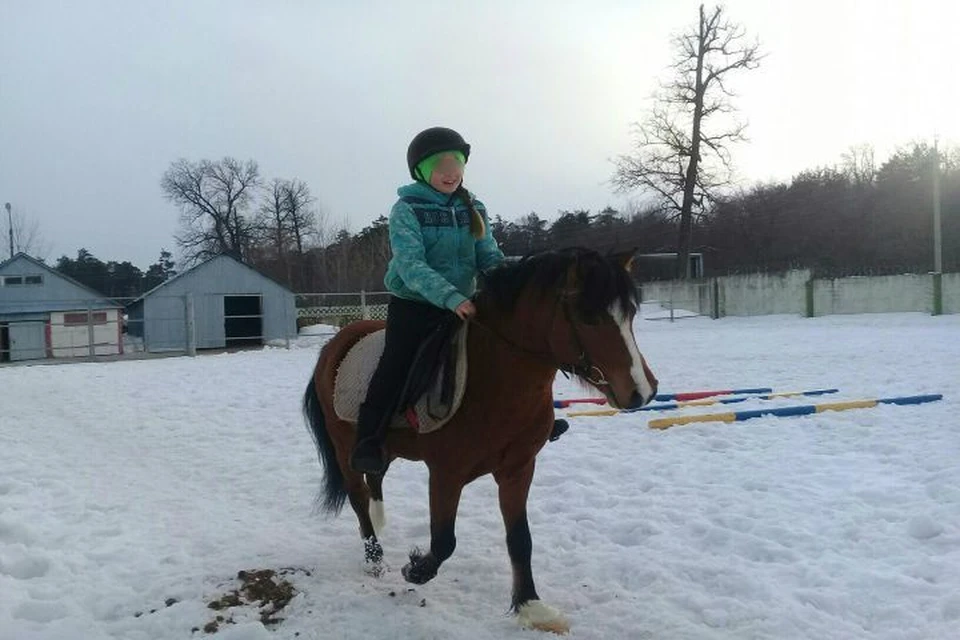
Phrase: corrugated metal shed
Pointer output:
(41, 290)
(232, 304)
(35, 299)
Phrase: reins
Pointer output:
(583, 368)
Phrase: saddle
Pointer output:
(434, 388)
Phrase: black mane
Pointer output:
(602, 280)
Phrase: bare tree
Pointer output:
(213, 198)
(859, 165)
(286, 219)
(679, 158)
(302, 219)
(285, 224)
(271, 220)
(27, 237)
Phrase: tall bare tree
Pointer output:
(26, 234)
(681, 155)
(285, 224)
(271, 220)
(213, 198)
(302, 218)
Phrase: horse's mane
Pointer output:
(601, 281)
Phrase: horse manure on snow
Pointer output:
(263, 588)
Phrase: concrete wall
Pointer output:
(763, 294)
(873, 294)
(951, 293)
(690, 295)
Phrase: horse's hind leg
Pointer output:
(514, 487)
(444, 500)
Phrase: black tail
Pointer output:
(334, 494)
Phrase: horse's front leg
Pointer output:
(514, 485)
(444, 500)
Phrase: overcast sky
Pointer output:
(98, 98)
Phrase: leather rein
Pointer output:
(583, 367)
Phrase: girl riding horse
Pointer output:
(440, 241)
(569, 310)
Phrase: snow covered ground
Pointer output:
(131, 494)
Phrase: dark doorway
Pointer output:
(4, 343)
(243, 320)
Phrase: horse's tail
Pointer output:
(334, 494)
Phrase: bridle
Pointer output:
(584, 367)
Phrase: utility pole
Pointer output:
(10, 223)
(937, 242)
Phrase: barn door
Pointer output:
(27, 340)
(243, 320)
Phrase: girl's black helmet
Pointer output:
(431, 141)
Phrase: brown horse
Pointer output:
(570, 310)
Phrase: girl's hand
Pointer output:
(465, 310)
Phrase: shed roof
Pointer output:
(200, 265)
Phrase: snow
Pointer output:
(318, 330)
(128, 485)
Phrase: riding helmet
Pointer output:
(431, 141)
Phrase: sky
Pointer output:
(97, 98)
(136, 498)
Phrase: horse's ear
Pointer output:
(624, 259)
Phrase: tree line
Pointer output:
(116, 279)
(855, 218)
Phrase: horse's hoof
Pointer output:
(536, 615)
(418, 574)
(373, 569)
(421, 568)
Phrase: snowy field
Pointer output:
(132, 493)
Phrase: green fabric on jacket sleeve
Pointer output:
(406, 240)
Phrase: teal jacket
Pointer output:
(435, 257)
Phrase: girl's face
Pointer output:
(447, 174)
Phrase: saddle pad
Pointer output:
(356, 370)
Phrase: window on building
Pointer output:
(11, 281)
(33, 280)
(77, 319)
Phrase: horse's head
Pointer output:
(583, 305)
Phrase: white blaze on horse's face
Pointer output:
(638, 371)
